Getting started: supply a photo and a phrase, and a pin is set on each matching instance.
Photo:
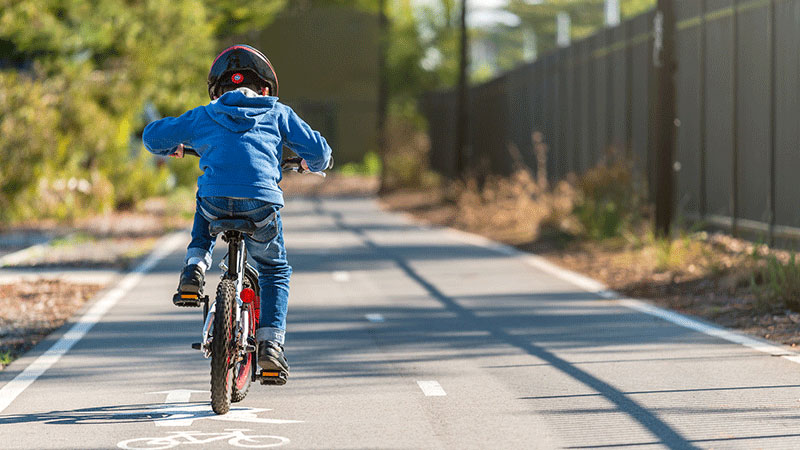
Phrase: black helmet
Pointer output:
(241, 65)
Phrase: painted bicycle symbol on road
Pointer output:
(235, 437)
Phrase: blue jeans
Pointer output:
(265, 247)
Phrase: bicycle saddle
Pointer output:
(245, 226)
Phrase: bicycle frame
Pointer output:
(234, 269)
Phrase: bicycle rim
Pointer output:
(222, 348)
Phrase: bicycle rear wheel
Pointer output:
(222, 348)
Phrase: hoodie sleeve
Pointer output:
(162, 136)
(307, 143)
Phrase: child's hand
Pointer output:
(178, 152)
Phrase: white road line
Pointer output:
(179, 395)
(179, 419)
(596, 287)
(431, 388)
(21, 255)
(341, 276)
(16, 386)
(376, 318)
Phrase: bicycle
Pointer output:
(235, 437)
(234, 314)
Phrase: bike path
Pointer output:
(402, 336)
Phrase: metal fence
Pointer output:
(738, 107)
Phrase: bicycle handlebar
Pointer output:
(287, 165)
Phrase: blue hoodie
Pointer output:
(240, 138)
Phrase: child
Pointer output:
(240, 137)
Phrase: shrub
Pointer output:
(369, 166)
(608, 204)
(777, 283)
(407, 151)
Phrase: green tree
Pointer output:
(586, 15)
(74, 78)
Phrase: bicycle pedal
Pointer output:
(188, 299)
(197, 345)
(273, 378)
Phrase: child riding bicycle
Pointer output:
(239, 137)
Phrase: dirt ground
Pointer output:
(30, 310)
(704, 275)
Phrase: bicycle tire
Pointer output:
(222, 348)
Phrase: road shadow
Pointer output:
(104, 415)
(535, 333)
(177, 414)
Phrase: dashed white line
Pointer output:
(16, 386)
(341, 276)
(431, 388)
(21, 255)
(375, 318)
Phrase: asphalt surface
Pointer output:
(402, 336)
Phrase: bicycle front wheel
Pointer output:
(222, 348)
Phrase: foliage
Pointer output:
(6, 357)
(586, 16)
(74, 79)
(608, 204)
(407, 151)
(406, 49)
(370, 166)
(777, 283)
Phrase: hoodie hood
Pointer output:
(240, 110)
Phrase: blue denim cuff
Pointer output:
(197, 252)
(271, 334)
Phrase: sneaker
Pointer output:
(271, 357)
(192, 280)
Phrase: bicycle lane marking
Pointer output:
(234, 436)
(177, 411)
(40, 365)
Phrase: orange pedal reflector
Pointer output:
(270, 374)
(189, 295)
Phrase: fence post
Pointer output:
(591, 110)
(629, 90)
(383, 88)
(772, 126)
(610, 97)
(462, 108)
(664, 61)
(735, 122)
(702, 85)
